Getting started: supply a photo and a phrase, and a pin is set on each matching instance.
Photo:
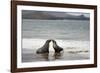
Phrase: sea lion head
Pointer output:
(54, 41)
(48, 41)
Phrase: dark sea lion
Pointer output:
(57, 48)
(44, 48)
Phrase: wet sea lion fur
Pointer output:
(57, 48)
(44, 48)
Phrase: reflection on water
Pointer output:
(48, 57)
(31, 56)
(57, 55)
(45, 56)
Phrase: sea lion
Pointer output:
(44, 48)
(57, 48)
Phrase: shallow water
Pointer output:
(29, 55)
(72, 35)
(56, 29)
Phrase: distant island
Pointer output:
(43, 15)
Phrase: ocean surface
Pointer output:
(72, 35)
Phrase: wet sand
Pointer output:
(29, 55)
